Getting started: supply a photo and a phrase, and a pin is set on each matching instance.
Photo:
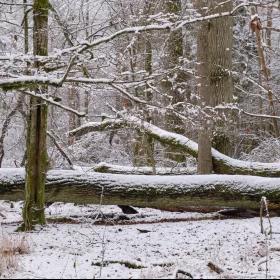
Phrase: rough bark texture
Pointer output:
(205, 162)
(37, 161)
(215, 42)
(182, 192)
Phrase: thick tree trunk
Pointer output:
(222, 164)
(37, 159)
(167, 192)
(205, 162)
(214, 53)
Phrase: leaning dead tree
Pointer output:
(201, 192)
(222, 163)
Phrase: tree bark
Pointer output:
(265, 71)
(5, 128)
(174, 84)
(214, 53)
(74, 102)
(167, 192)
(37, 158)
(143, 145)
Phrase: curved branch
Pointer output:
(222, 163)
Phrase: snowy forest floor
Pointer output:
(78, 243)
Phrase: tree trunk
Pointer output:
(215, 42)
(173, 86)
(265, 71)
(37, 159)
(143, 146)
(205, 163)
(167, 192)
(74, 102)
(6, 125)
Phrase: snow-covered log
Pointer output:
(163, 192)
(222, 163)
(128, 170)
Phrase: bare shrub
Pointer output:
(10, 248)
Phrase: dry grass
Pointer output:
(11, 247)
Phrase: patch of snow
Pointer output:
(144, 251)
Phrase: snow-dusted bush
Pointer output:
(267, 151)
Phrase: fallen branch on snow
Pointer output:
(212, 192)
(222, 163)
(129, 170)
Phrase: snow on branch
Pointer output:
(85, 46)
(104, 167)
(154, 27)
(50, 100)
(222, 163)
(163, 192)
(25, 81)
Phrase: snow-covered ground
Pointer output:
(142, 249)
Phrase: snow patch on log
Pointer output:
(15, 176)
(130, 170)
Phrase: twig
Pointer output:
(215, 268)
(264, 208)
(60, 149)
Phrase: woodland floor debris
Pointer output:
(159, 250)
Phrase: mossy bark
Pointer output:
(182, 192)
(37, 159)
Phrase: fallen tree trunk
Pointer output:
(128, 170)
(210, 192)
(222, 163)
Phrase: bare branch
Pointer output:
(60, 149)
(52, 102)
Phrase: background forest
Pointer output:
(108, 107)
(151, 75)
